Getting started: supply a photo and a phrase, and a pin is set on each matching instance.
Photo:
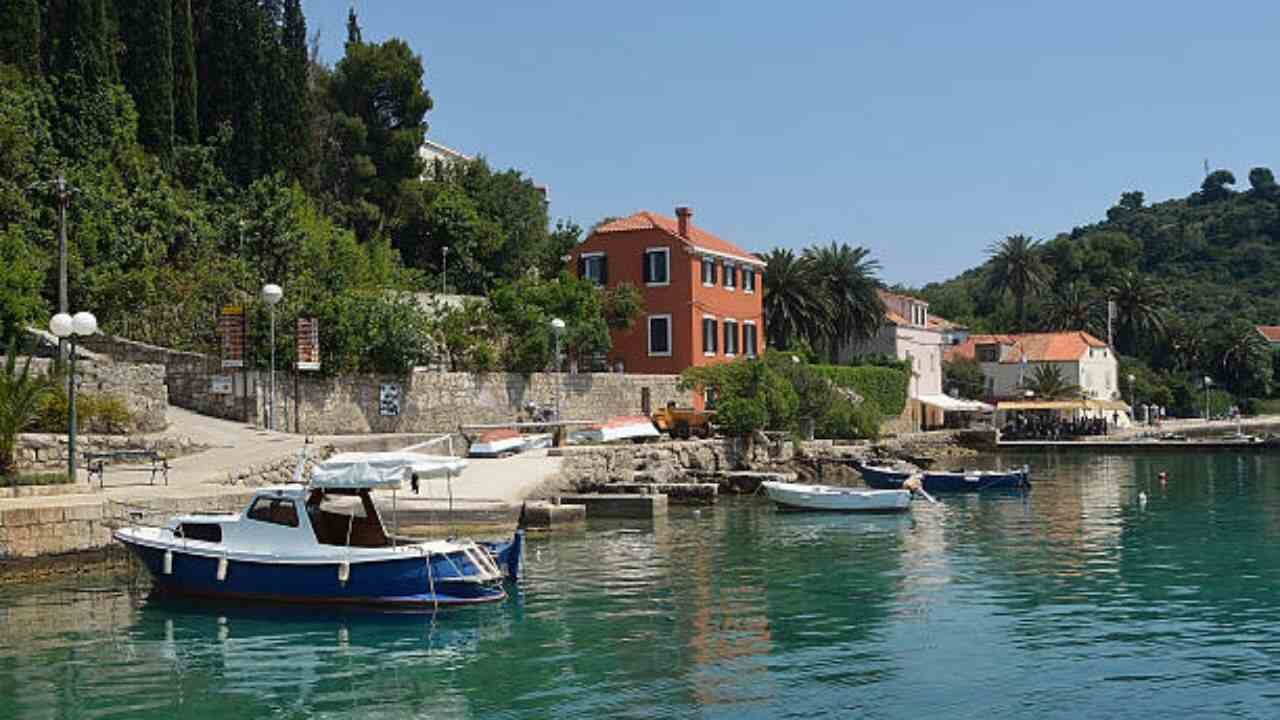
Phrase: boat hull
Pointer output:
(395, 582)
(946, 482)
(821, 498)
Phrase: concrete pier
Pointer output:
(619, 506)
(677, 493)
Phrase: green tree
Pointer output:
(1017, 267)
(622, 305)
(1214, 188)
(754, 395)
(21, 393)
(1072, 308)
(291, 97)
(1244, 358)
(964, 377)
(148, 71)
(186, 119)
(848, 278)
(1262, 182)
(85, 42)
(1140, 304)
(795, 306)
(1047, 383)
(20, 35)
(524, 310)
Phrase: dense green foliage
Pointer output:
(220, 156)
(825, 297)
(886, 387)
(1189, 278)
(21, 394)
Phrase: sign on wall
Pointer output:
(231, 328)
(308, 344)
(389, 400)
(220, 384)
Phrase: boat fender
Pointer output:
(222, 568)
(344, 572)
(168, 562)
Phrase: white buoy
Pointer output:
(168, 562)
(344, 572)
(222, 568)
(1142, 499)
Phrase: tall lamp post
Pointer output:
(1208, 381)
(1133, 396)
(271, 295)
(557, 329)
(69, 327)
(444, 270)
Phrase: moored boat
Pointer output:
(883, 478)
(797, 496)
(634, 428)
(496, 443)
(325, 542)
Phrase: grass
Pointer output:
(51, 478)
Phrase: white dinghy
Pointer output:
(797, 496)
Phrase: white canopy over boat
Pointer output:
(353, 470)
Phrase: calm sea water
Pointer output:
(1076, 600)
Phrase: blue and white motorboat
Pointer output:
(323, 541)
(884, 478)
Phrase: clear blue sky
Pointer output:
(923, 130)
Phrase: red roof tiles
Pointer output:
(1270, 332)
(698, 238)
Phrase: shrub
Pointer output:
(98, 413)
(849, 421)
(750, 379)
(886, 387)
(741, 416)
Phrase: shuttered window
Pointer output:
(749, 347)
(594, 267)
(748, 280)
(708, 271)
(657, 266)
(709, 335)
(730, 337)
(730, 276)
(660, 335)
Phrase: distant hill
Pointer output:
(1216, 252)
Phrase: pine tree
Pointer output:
(186, 123)
(148, 69)
(254, 82)
(295, 67)
(220, 80)
(86, 42)
(20, 34)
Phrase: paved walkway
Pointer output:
(234, 445)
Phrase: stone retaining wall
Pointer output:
(140, 386)
(46, 451)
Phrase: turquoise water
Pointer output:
(1074, 601)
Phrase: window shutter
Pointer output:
(582, 267)
(713, 273)
(647, 272)
(604, 269)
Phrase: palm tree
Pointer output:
(1140, 305)
(20, 397)
(1047, 383)
(1018, 268)
(1186, 345)
(1072, 308)
(848, 277)
(795, 307)
(1245, 359)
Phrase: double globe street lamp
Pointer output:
(69, 327)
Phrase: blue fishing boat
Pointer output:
(323, 541)
(883, 478)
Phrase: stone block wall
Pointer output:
(141, 386)
(440, 402)
(49, 451)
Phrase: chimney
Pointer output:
(683, 214)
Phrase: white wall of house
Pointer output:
(1099, 373)
(1095, 375)
(922, 346)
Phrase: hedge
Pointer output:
(886, 387)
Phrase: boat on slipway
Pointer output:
(798, 496)
(323, 541)
(884, 478)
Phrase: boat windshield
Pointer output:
(337, 515)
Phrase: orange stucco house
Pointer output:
(702, 294)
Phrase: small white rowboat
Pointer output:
(794, 496)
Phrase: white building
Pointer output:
(1009, 361)
(434, 154)
(909, 333)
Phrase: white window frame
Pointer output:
(587, 256)
(648, 327)
(714, 332)
(702, 270)
(750, 350)
(666, 254)
(737, 337)
(748, 289)
(728, 270)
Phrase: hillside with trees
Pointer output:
(209, 150)
(1189, 278)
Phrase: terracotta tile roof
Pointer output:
(698, 238)
(1038, 347)
(1270, 332)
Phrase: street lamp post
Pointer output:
(1208, 381)
(557, 329)
(68, 327)
(444, 270)
(1133, 395)
(272, 294)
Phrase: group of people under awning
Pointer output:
(1060, 419)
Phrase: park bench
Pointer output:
(158, 464)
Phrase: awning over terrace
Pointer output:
(947, 403)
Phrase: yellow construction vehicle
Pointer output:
(683, 423)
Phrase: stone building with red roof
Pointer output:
(702, 294)
(1006, 360)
